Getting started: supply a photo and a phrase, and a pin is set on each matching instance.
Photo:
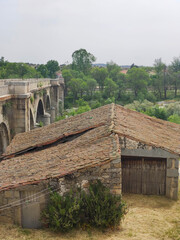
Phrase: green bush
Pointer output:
(174, 118)
(101, 208)
(97, 208)
(63, 212)
(157, 112)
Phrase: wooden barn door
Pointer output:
(143, 175)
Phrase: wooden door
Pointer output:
(30, 210)
(143, 175)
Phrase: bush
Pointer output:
(96, 208)
(95, 104)
(62, 213)
(157, 112)
(174, 118)
(101, 208)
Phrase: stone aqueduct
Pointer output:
(26, 103)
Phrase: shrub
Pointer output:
(97, 208)
(157, 112)
(62, 213)
(101, 208)
(174, 118)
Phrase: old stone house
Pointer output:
(128, 151)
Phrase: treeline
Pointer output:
(99, 86)
(10, 70)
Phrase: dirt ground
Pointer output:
(148, 217)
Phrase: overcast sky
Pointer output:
(124, 31)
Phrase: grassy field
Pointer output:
(149, 217)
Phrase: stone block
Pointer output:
(16, 194)
(172, 173)
(174, 194)
(169, 183)
(116, 161)
(169, 163)
(117, 165)
(177, 164)
(8, 194)
(5, 219)
(175, 183)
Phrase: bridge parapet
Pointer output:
(24, 86)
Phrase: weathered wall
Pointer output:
(108, 173)
(172, 178)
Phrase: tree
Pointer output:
(137, 80)
(82, 60)
(110, 87)
(160, 79)
(53, 67)
(100, 74)
(67, 75)
(174, 72)
(113, 70)
(43, 70)
(91, 85)
(121, 82)
(77, 85)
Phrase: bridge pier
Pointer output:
(23, 103)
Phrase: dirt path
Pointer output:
(149, 217)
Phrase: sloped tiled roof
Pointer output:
(53, 132)
(98, 144)
(148, 130)
(95, 147)
(125, 122)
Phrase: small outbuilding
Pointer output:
(128, 151)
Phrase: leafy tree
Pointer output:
(174, 71)
(100, 74)
(82, 60)
(137, 80)
(113, 70)
(43, 70)
(110, 87)
(53, 67)
(91, 85)
(121, 83)
(160, 79)
(67, 75)
(77, 85)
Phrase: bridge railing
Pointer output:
(23, 86)
(4, 90)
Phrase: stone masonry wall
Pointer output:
(108, 173)
(11, 201)
(172, 178)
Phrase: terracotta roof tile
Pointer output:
(148, 130)
(92, 148)
(60, 129)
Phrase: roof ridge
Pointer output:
(111, 127)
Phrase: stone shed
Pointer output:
(128, 151)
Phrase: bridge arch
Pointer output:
(40, 112)
(4, 137)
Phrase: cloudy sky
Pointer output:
(124, 31)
